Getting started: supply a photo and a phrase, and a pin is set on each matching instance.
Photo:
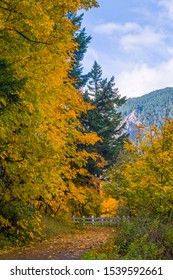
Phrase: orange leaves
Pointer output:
(89, 138)
(109, 206)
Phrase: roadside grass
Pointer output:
(53, 226)
(94, 255)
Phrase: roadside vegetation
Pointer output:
(143, 184)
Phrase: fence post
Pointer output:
(117, 220)
(92, 220)
(102, 220)
(74, 219)
(83, 217)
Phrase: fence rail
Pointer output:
(95, 220)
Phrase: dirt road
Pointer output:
(63, 247)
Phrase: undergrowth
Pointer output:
(33, 230)
(140, 238)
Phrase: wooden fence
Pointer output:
(95, 220)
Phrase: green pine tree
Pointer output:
(82, 39)
(104, 119)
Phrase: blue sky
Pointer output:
(132, 40)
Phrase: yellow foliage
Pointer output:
(145, 181)
(40, 134)
(4, 222)
(109, 206)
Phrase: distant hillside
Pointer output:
(148, 109)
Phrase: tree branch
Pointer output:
(31, 40)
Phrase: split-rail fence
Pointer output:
(95, 220)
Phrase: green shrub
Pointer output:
(168, 241)
(19, 224)
(143, 249)
(141, 238)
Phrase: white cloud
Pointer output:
(130, 35)
(168, 5)
(111, 27)
(146, 37)
(143, 79)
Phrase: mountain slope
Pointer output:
(147, 110)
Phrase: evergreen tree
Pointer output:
(82, 40)
(104, 119)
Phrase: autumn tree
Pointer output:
(16, 157)
(143, 184)
(43, 130)
(147, 183)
